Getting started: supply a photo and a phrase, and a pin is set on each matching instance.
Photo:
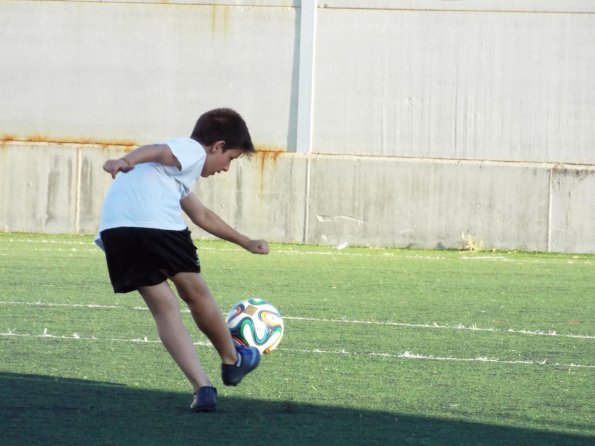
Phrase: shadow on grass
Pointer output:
(41, 410)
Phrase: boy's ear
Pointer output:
(217, 145)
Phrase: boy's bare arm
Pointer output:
(153, 153)
(213, 224)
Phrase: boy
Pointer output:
(147, 242)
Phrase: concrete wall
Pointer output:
(481, 85)
(433, 124)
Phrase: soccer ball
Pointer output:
(256, 323)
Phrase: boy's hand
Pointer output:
(114, 166)
(258, 247)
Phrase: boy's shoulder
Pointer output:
(181, 140)
(184, 143)
(188, 151)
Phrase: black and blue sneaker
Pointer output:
(248, 360)
(205, 400)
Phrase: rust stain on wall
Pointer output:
(266, 156)
(6, 138)
(9, 138)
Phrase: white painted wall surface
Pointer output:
(138, 72)
(481, 85)
(430, 119)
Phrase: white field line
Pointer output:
(76, 336)
(434, 326)
(445, 327)
(403, 356)
(410, 355)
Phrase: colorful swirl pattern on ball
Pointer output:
(256, 322)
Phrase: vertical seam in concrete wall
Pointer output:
(549, 210)
(307, 202)
(77, 191)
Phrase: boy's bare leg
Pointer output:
(164, 307)
(206, 313)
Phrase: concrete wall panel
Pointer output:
(456, 84)
(64, 187)
(380, 202)
(128, 71)
(38, 188)
(573, 210)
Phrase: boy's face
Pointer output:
(218, 160)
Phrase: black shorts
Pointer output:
(138, 257)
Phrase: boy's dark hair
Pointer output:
(223, 124)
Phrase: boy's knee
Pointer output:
(191, 287)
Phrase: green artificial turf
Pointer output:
(380, 347)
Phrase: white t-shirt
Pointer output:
(149, 195)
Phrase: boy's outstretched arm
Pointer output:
(209, 221)
(153, 153)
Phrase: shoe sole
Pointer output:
(205, 409)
